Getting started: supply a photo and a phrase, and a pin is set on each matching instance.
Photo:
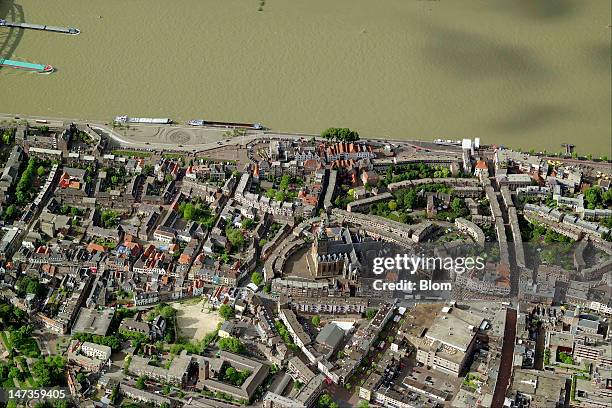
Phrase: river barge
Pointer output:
(202, 122)
(151, 121)
(28, 66)
(41, 27)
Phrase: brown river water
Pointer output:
(523, 73)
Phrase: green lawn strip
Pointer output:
(131, 153)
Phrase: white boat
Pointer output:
(154, 121)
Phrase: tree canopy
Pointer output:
(226, 312)
(49, 372)
(597, 198)
(256, 278)
(231, 344)
(340, 135)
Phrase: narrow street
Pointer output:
(505, 365)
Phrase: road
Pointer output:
(507, 356)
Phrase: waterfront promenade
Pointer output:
(182, 137)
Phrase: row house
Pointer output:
(154, 261)
(164, 234)
(348, 151)
(213, 272)
(266, 205)
(166, 167)
(10, 173)
(212, 172)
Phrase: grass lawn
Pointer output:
(190, 301)
(173, 155)
(131, 153)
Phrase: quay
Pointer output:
(40, 27)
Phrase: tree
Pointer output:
(6, 312)
(60, 404)
(326, 401)
(226, 312)
(22, 191)
(392, 205)
(166, 311)
(340, 135)
(10, 212)
(284, 183)
(271, 193)
(565, 358)
(607, 197)
(235, 237)
(141, 383)
(316, 321)
(40, 171)
(111, 341)
(110, 218)
(456, 205)
(280, 196)
(14, 372)
(26, 285)
(188, 212)
(256, 278)
(35, 288)
(231, 344)
(49, 372)
(593, 196)
(7, 136)
(235, 377)
(22, 197)
(410, 199)
(247, 223)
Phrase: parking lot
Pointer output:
(435, 379)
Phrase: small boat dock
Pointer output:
(40, 27)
